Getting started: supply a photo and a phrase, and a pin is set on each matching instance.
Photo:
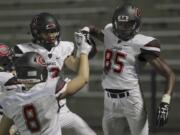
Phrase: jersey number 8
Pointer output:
(30, 116)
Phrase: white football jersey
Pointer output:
(35, 111)
(121, 58)
(53, 58)
(4, 78)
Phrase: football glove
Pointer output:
(82, 45)
(86, 32)
(162, 114)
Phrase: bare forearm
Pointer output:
(72, 63)
(84, 67)
(171, 79)
(163, 68)
(81, 79)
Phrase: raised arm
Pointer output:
(72, 63)
(82, 78)
(83, 73)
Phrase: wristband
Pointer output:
(166, 98)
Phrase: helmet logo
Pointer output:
(39, 60)
(4, 51)
(137, 12)
(122, 18)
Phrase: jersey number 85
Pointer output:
(114, 57)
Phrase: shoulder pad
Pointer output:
(142, 39)
(67, 43)
(67, 46)
(108, 26)
(27, 47)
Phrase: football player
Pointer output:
(125, 49)
(46, 33)
(34, 108)
(7, 71)
(6, 57)
(6, 65)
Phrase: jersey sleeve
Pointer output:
(18, 52)
(153, 47)
(107, 31)
(4, 77)
(68, 48)
(20, 49)
(147, 43)
(17, 49)
(109, 37)
(147, 46)
(152, 50)
(56, 86)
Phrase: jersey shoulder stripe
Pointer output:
(5, 76)
(12, 81)
(155, 44)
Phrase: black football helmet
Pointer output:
(126, 21)
(6, 56)
(45, 23)
(31, 68)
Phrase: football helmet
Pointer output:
(46, 24)
(6, 57)
(126, 21)
(31, 68)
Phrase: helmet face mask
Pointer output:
(125, 29)
(50, 37)
(126, 22)
(47, 24)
